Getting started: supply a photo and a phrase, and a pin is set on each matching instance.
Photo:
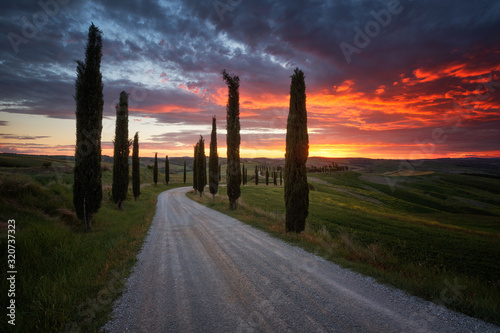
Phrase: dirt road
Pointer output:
(202, 271)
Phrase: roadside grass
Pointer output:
(67, 278)
(438, 248)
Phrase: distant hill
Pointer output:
(472, 165)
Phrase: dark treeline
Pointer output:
(333, 167)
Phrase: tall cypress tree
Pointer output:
(119, 188)
(167, 170)
(275, 176)
(155, 169)
(233, 138)
(195, 167)
(87, 188)
(297, 151)
(213, 162)
(184, 171)
(201, 165)
(267, 176)
(256, 175)
(136, 168)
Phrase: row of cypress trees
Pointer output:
(87, 190)
(199, 164)
(297, 151)
(167, 170)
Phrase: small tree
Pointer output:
(297, 151)
(87, 188)
(281, 177)
(213, 162)
(184, 171)
(155, 169)
(201, 165)
(233, 138)
(119, 187)
(195, 167)
(256, 175)
(167, 170)
(136, 171)
(275, 175)
(267, 176)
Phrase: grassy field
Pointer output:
(67, 278)
(435, 235)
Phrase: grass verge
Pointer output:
(66, 278)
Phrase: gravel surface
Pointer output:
(202, 271)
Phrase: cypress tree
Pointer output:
(87, 188)
(267, 176)
(155, 169)
(184, 171)
(136, 171)
(167, 170)
(195, 167)
(275, 175)
(297, 151)
(281, 177)
(256, 176)
(201, 165)
(119, 187)
(233, 138)
(213, 162)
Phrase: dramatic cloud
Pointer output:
(382, 76)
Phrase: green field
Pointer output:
(436, 235)
(66, 278)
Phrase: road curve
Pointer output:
(202, 271)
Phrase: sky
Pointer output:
(384, 79)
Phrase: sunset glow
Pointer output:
(416, 91)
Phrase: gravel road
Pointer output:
(202, 271)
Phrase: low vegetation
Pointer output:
(68, 278)
(436, 236)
